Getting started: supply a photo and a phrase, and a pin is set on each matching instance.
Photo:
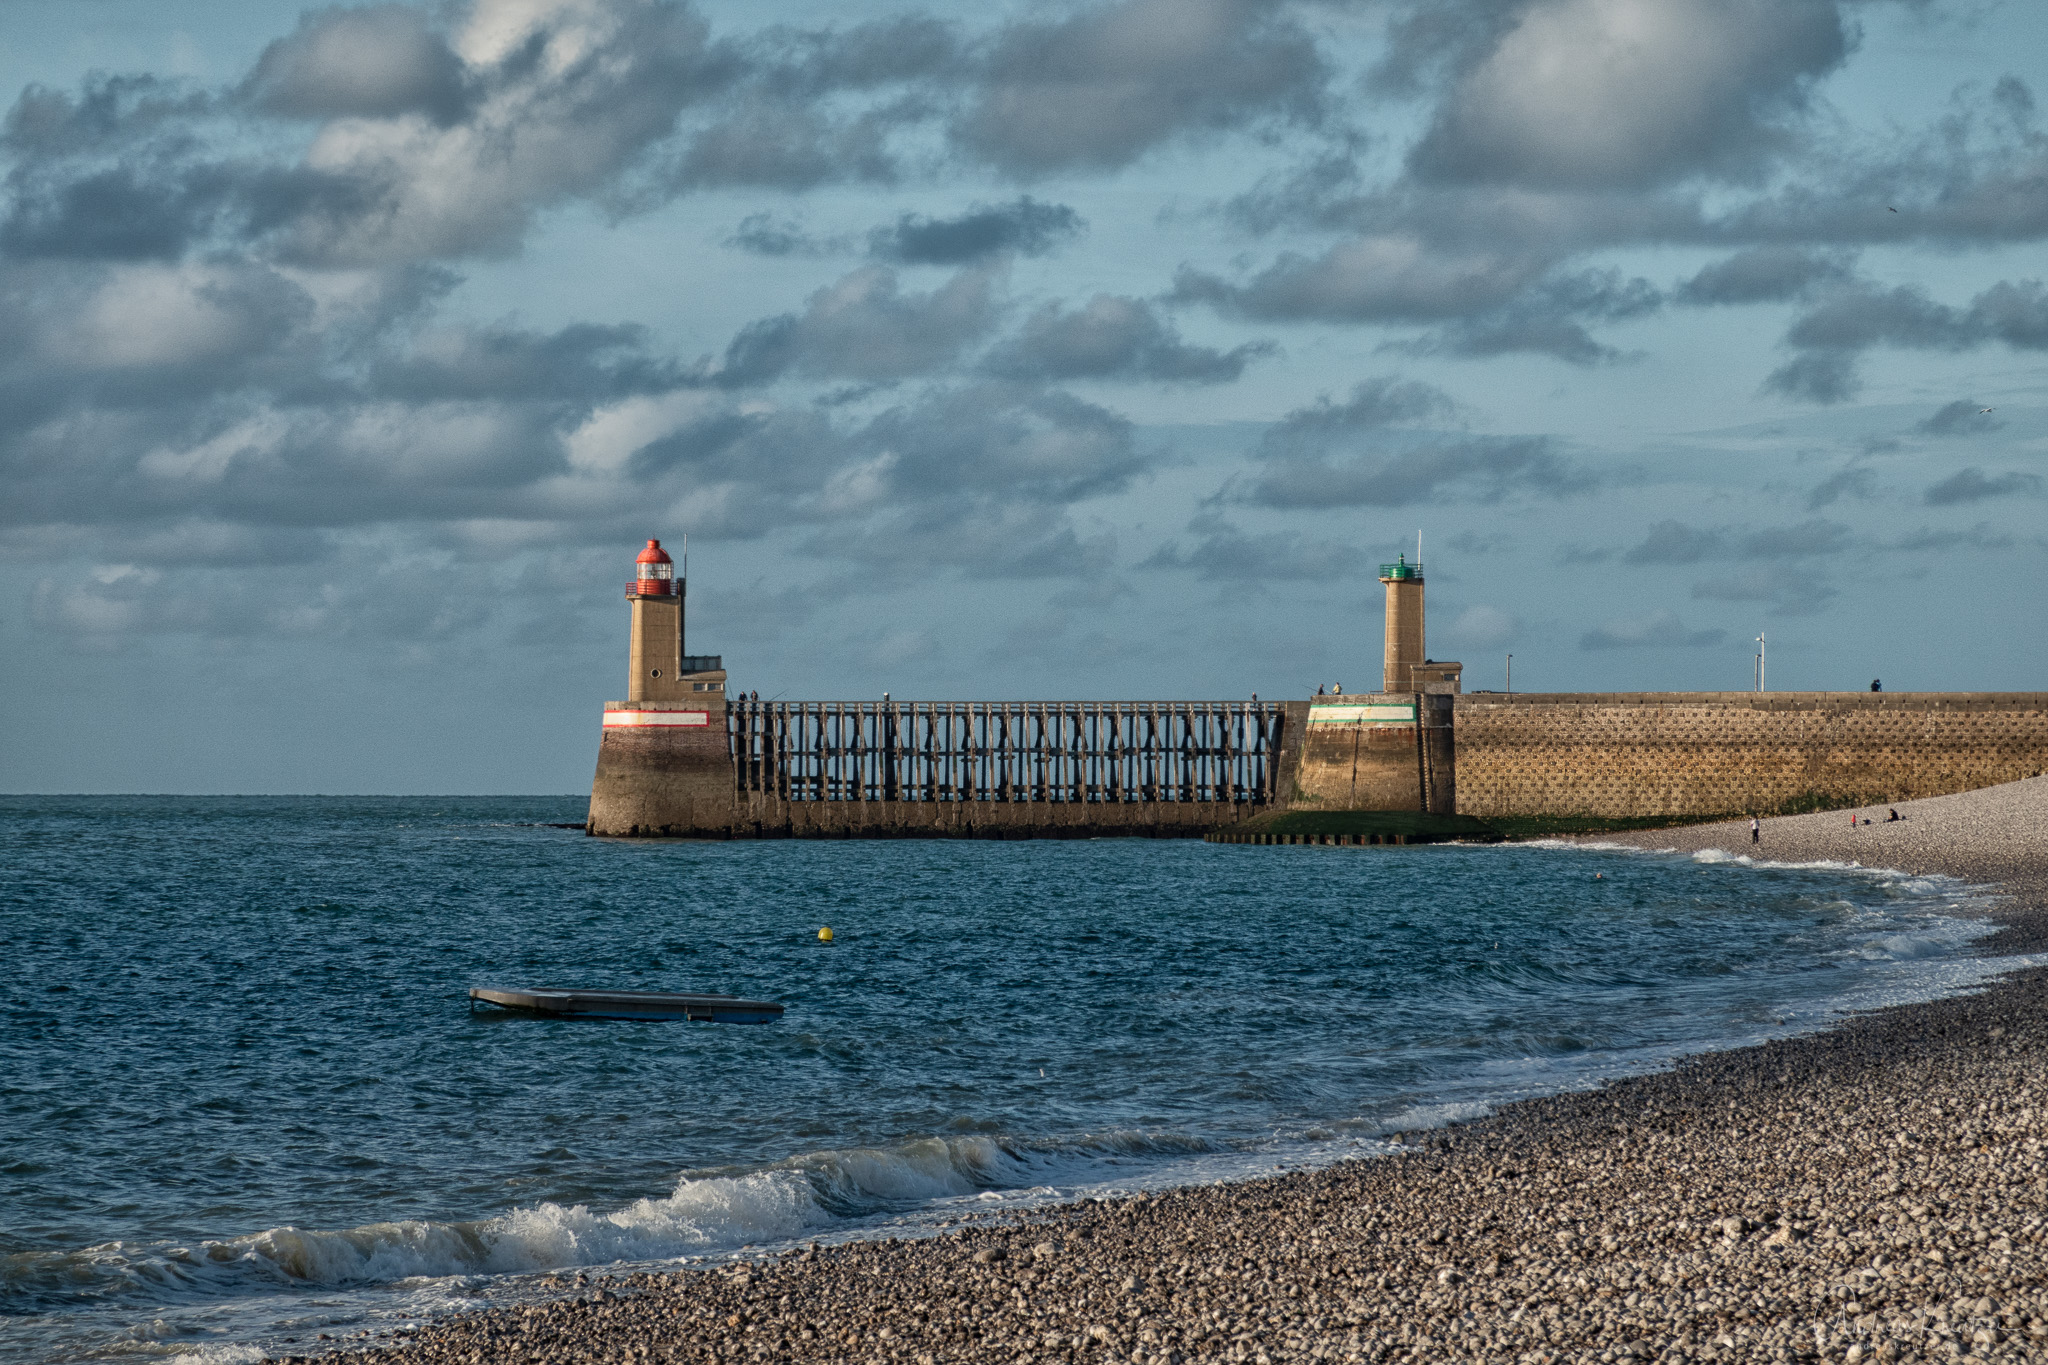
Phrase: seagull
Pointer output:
(1982, 411)
(1894, 210)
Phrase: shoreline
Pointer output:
(1873, 1191)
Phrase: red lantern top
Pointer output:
(654, 574)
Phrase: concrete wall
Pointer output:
(1373, 751)
(1717, 753)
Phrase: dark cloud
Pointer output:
(866, 328)
(766, 234)
(1223, 552)
(1099, 89)
(1111, 337)
(774, 145)
(122, 213)
(583, 363)
(1862, 315)
(1964, 417)
(1787, 594)
(1371, 279)
(1373, 404)
(1978, 537)
(1808, 538)
(1816, 377)
(1477, 469)
(1015, 441)
(1673, 542)
(1847, 483)
(1661, 629)
(1974, 485)
(1763, 274)
(1607, 94)
(376, 62)
(1026, 228)
(1866, 316)
(1550, 319)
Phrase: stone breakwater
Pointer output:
(1877, 1192)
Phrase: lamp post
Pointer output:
(1760, 661)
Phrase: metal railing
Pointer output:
(1053, 751)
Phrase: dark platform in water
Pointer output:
(716, 1009)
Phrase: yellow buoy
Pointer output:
(825, 934)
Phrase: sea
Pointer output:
(247, 1109)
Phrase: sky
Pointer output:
(1026, 351)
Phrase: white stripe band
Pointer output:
(612, 718)
(1384, 713)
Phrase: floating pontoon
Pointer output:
(715, 1009)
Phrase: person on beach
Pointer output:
(1756, 830)
(1893, 816)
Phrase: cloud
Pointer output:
(1763, 274)
(1857, 317)
(1373, 404)
(1112, 337)
(1964, 417)
(1546, 320)
(1789, 594)
(1974, 485)
(1381, 278)
(1661, 629)
(1485, 627)
(1978, 537)
(766, 234)
(864, 327)
(376, 62)
(1099, 89)
(1477, 469)
(582, 363)
(1673, 542)
(1627, 94)
(1366, 451)
(1026, 228)
(1850, 483)
(1223, 552)
(1816, 377)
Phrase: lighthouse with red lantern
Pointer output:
(664, 751)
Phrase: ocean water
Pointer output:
(243, 1101)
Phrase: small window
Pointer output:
(657, 673)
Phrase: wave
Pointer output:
(707, 1212)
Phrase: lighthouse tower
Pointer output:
(657, 650)
(1408, 665)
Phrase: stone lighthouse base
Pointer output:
(663, 768)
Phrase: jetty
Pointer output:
(645, 1005)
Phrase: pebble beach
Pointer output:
(1874, 1192)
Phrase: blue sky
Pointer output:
(1083, 350)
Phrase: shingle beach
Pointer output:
(1877, 1191)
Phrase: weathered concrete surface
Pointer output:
(770, 818)
(1355, 755)
(654, 779)
(1717, 753)
(1376, 751)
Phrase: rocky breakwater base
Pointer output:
(1877, 1192)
